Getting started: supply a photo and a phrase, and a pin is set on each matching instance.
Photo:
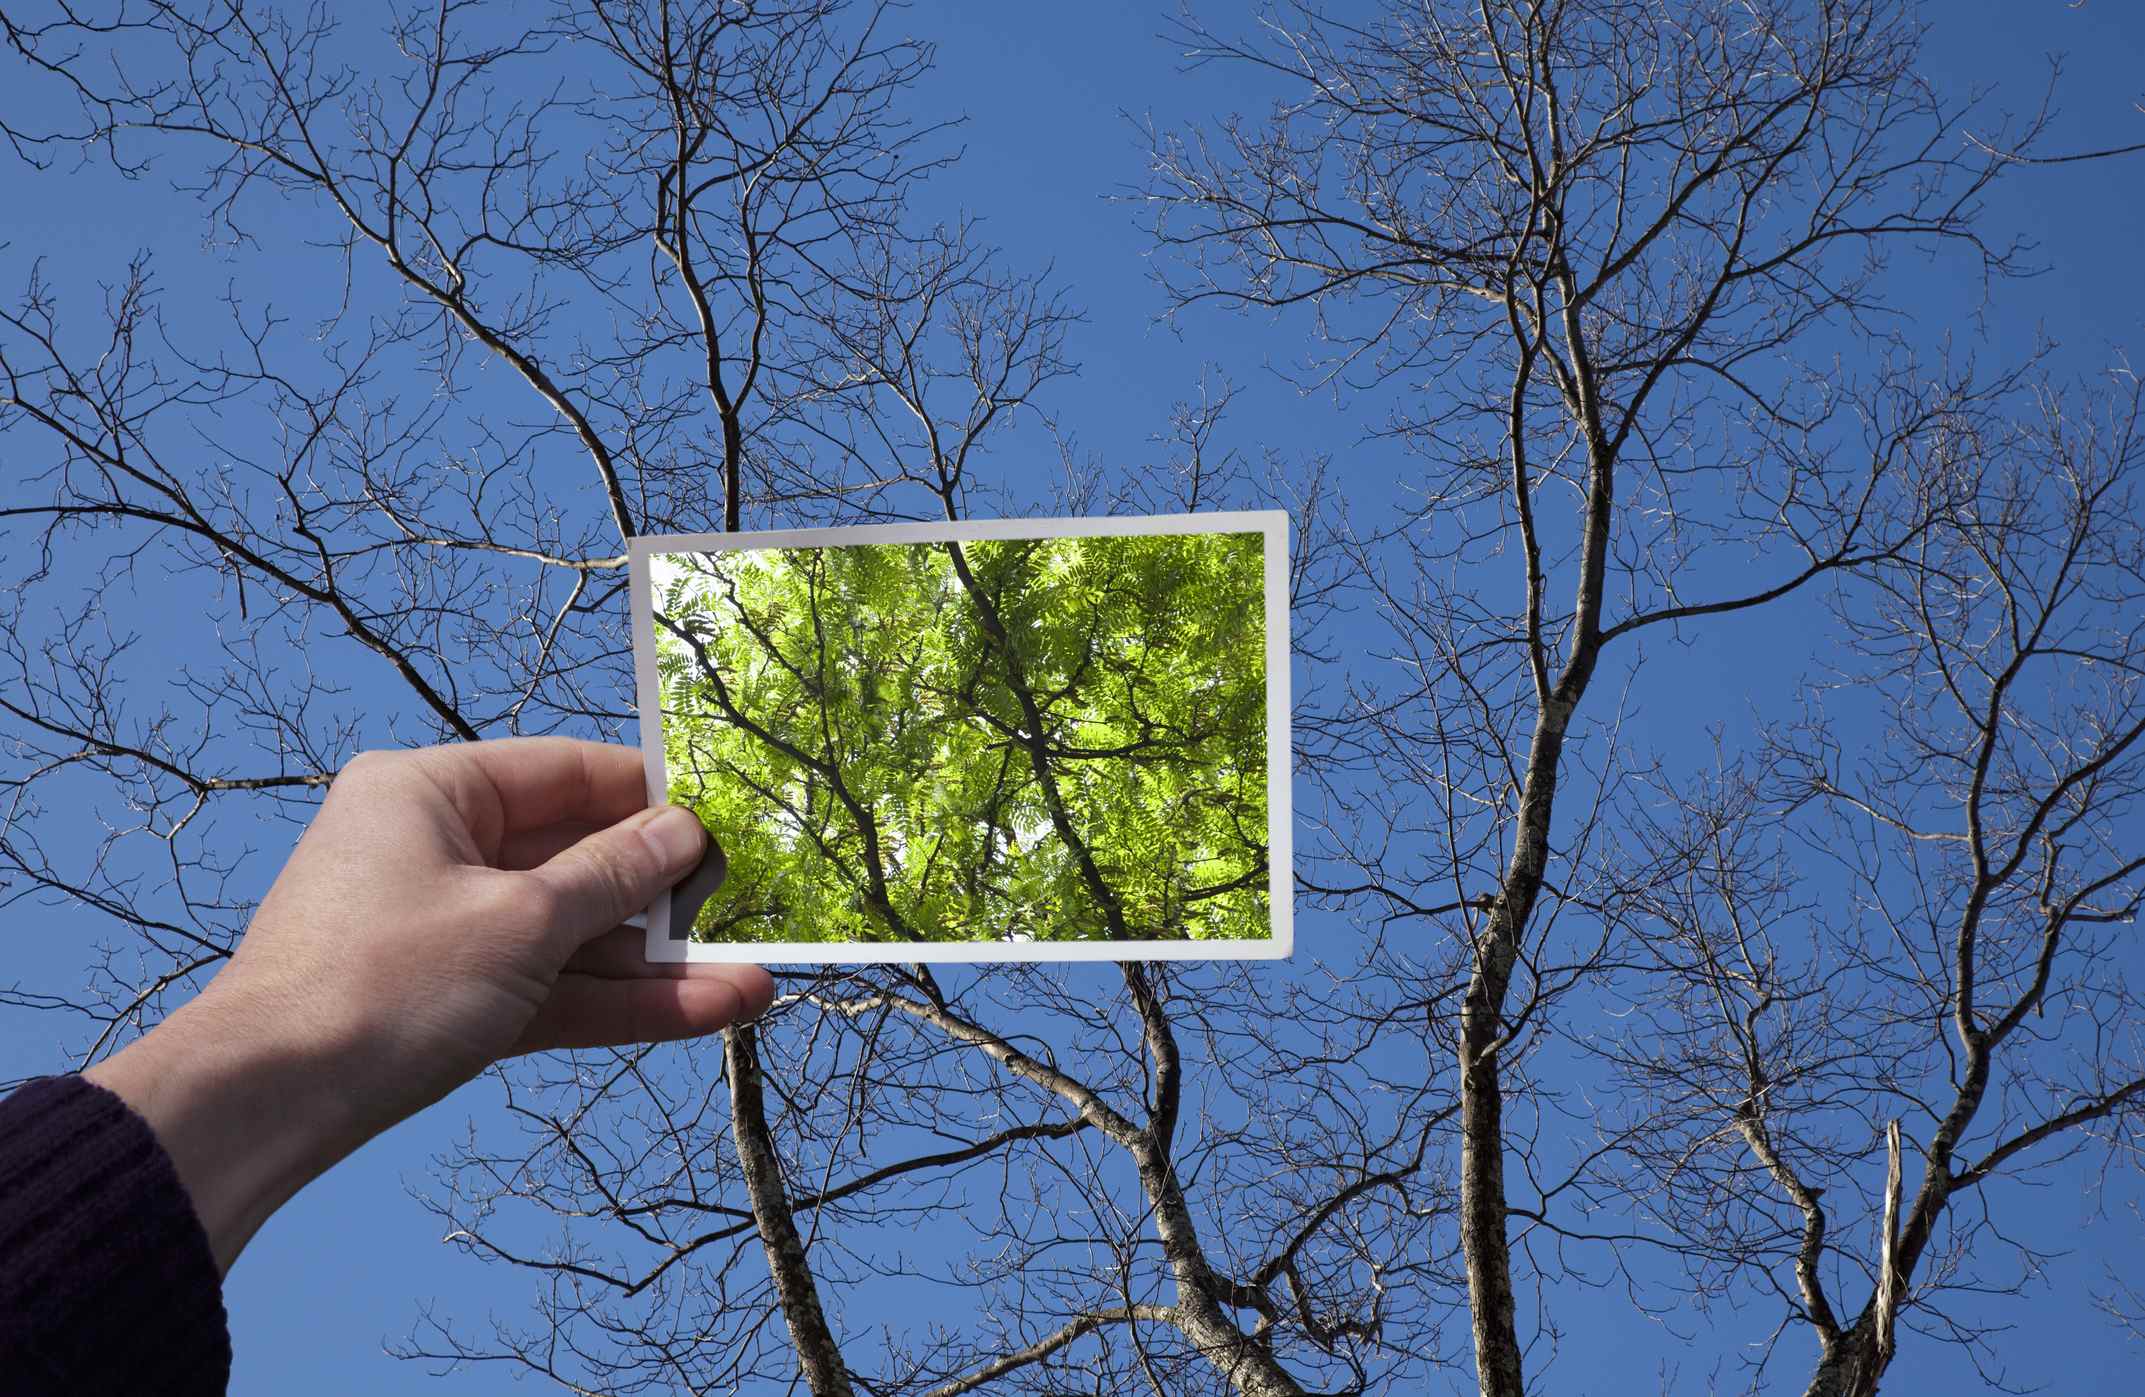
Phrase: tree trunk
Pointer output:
(817, 1354)
(1483, 1241)
(1249, 1365)
(1851, 1366)
(1482, 1208)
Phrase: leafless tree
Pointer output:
(1620, 269)
(648, 267)
(1835, 1083)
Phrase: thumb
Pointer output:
(616, 872)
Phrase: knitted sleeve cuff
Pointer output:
(107, 1283)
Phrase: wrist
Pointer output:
(249, 1111)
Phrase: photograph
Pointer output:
(1051, 740)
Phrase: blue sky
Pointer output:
(1048, 91)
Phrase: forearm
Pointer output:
(248, 1111)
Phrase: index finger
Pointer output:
(530, 782)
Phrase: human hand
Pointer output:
(447, 907)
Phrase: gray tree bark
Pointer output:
(818, 1355)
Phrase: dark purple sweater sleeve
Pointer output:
(107, 1283)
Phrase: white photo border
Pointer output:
(1280, 813)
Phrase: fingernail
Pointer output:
(677, 835)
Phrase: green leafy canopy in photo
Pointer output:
(1020, 740)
